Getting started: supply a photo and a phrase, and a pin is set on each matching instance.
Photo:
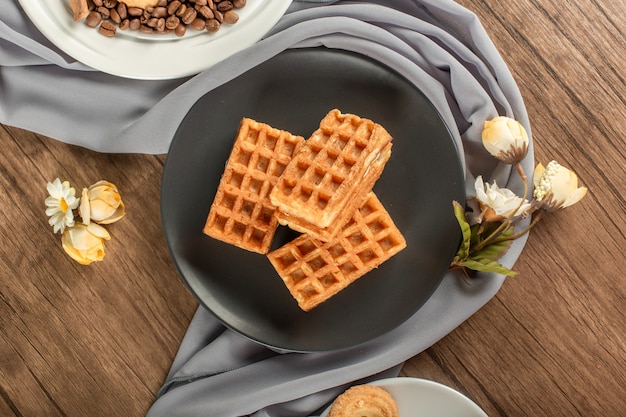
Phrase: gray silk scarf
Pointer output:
(437, 45)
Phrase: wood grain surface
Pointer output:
(98, 341)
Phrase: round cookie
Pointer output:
(364, 401)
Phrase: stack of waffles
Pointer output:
(321, 187)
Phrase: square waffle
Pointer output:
(242, 213)
(314, 271)
(329, 178)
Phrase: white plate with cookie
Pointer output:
(414, 397)
(138, 55)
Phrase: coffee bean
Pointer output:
(180, 30)
(172, 22)
(198, 23)
(134, 24)
(231, 17)
(93, 19)
(135, 11)
(212, 25)
(159, 12)
(189, 16)
(172, 7)
(115, 16)
(107, 29)
(167, 15)
(104, 12)
(206, 12)
(224, 6)
(122, 11)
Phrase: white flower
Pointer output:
(506, 139)
(556, 186)
(85, 243)
(60, 203)
(498, 203)
(102, 203)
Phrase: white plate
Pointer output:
(133, 54)
(421, 398)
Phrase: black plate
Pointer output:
(293, 91)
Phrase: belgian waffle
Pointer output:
(314, 270)
(242, 213)
(331, 174)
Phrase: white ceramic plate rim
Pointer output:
(423, 398)
(132, 54)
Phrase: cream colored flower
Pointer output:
(556, 187)
(497, 203)
(506, 139)
(60, 203)
(85, 243)
(101, 203)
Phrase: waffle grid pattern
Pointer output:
(314, 271)
(242, 213)
(334, 162)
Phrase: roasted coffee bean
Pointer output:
(122, 11)
(173, 6)
(212, 25)
(115, 16)
(104, 12)
(198, 23)
(181, 10)
(135, 24)
(152, 22)
(231, 17)
(180, 30)
(160, 27)
(189, 16)
(206, 12)
(224, 6)
(167, 15)
(135, 11)
(159, 12)
(171, 22)
(93, 19)
(219, 16)
(107, 29)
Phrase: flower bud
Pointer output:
(101, 203)
(85, 243)
(556, 187)
(497, 203)
(506, 139)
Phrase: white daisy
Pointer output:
(60, 205)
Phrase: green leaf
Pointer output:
(459, 213)
(494, 251)
(480, 231)
(498, 249)
(486, 265)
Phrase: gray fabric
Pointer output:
(436, 44)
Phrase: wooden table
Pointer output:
(98, 341)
